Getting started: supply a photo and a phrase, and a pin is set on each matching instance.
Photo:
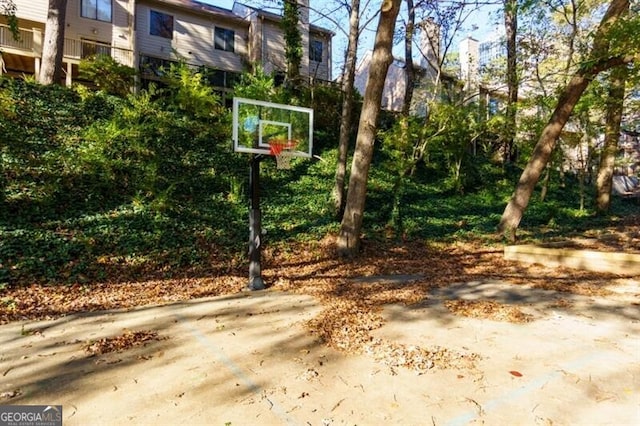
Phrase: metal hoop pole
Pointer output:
(255, 227)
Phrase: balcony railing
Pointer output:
(80, 49)
(24, 42)
(30, 43)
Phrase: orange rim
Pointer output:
(278, 145)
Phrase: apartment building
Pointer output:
(149, 34)
(430, 81)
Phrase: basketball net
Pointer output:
(282, 149)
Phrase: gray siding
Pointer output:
(116, 33)
(258, 36)
(34, 10)
(273, 45)
(192, 39)
(272, 48)
(320, 69)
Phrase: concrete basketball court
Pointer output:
(247, 359)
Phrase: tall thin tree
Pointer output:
(405, 134)
(511, 32)
(348, 78)
(409, 69)
(293, 40)
(53, 45)
(599, 60)
(614, 107)
(349, 239)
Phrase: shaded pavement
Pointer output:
(248, 358)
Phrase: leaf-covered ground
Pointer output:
(351, 309)
(126, 340)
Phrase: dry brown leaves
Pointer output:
(487, 309)
(47, 302)
(127, 340)
(351, 308)
(417, 358)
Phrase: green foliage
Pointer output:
(186, 92)
(8, 9)
(401, 142)
(108, 74)
(445, 141)
(41, 126)
(326, 102)
(148, 159)
(292, 38)
(256, 85)
(624, 36)
(127, 242)
(164, 145)
(98, 187)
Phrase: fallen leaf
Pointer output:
(10, 394)
(351, 312)
(120, 343)
(488, 309)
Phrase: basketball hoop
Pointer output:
(282, 149)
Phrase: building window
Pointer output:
(99, 10)
(490, 51)
(224, 39)
(315, 51)
(154, 67)
(279, 78)
(161, 24)
(219, 78)
(493, 107)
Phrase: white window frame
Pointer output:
(226, 41)
(84, 12)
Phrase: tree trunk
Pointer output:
(349, 238)
(571, 16)
(53, 45)
(569, 97)
(293, 41)
(347, 107)
(545, 183)
(581, 178)
(614, 104)
(409, 70)
(511, 31)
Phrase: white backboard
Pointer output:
(256, 123)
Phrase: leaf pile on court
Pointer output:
(488, 309)
(127, 340)
(351, 308)
(48, 302)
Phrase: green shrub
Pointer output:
(108, 74)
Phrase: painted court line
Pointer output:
(238, 372)
(534, 384)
